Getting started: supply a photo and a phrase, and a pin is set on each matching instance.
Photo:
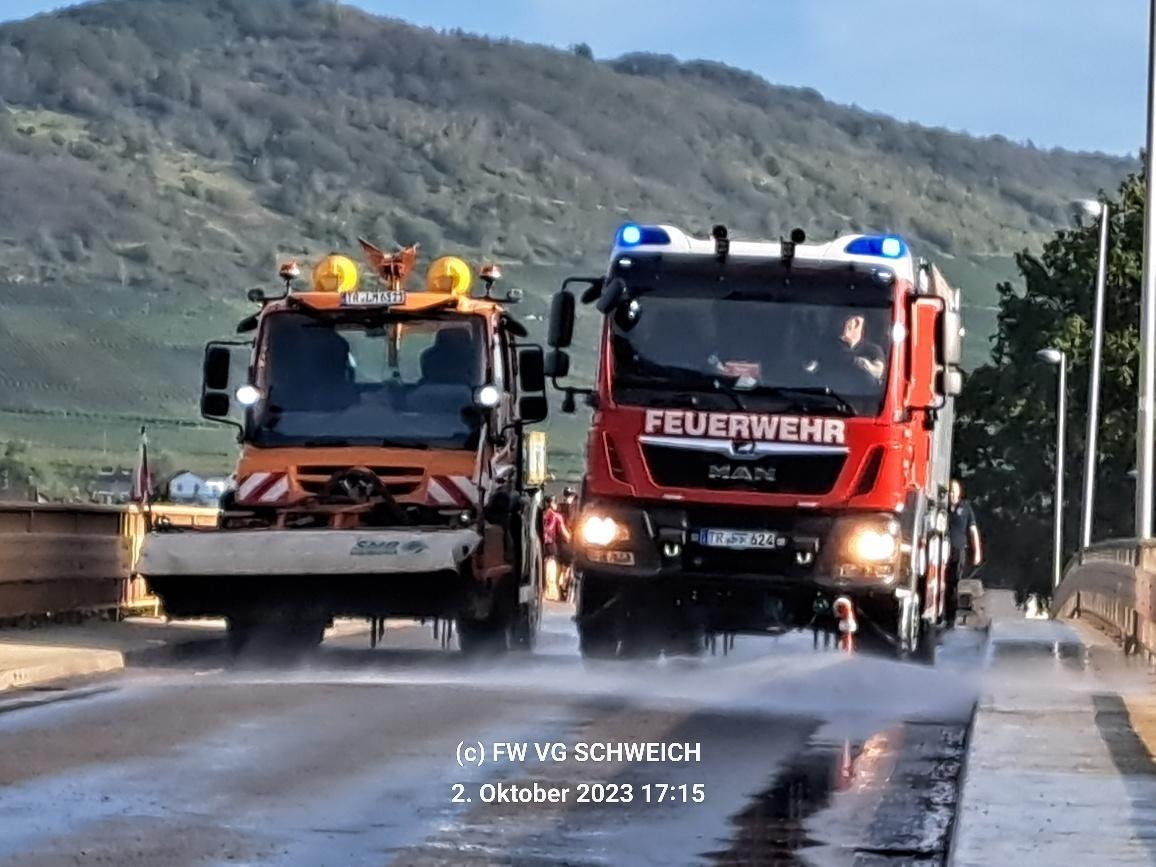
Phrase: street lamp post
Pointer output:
(1060, 359)
(1097, 210)
(1146, 418)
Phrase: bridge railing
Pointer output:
(61, 559)
(1114, 583)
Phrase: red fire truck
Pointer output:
(771, 440)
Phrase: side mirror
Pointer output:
(249, 323)
(952, 337)
(951, 382)
(513, 326)
(215, 404)
(532, 369)
(216, 368)
(923, 337)
(611, 296)
(558, 364)
(561, 331)
(533, 409)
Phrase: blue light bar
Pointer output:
(633, 235)
(886, 246)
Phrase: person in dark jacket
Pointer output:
(966, 547)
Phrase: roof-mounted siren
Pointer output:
(634, 235)
(722, 243)
(882, 246)
(787, 246)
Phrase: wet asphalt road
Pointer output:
(805, 757)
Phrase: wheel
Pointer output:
(596, 618)
(597, 641)
(926, 644)
(918, 636)
(527, 619)
(489, 637)
(690, 641)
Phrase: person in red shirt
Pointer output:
(554, 534)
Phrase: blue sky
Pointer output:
(1064, 73)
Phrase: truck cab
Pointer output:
(381, 472)
(771, 438)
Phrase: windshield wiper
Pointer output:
(731, 392)
(402, 444)
(682, 387)
(841, 403)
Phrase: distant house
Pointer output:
(214, 488)
(111, 485)
(183, 486)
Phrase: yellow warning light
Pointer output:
(335, 274)
(449, 274)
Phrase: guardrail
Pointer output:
(1114, 583)
(58, 559)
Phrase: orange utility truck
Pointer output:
(382, 464)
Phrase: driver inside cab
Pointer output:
(863, 354)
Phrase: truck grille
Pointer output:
(778, 474)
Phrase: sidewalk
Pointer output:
(33, 656)
(1060, 769)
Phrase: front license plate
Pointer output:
(385, 296)
(745, 539)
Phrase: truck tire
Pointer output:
(527, 619)
(926, 643)
(597, 621)
(489, 637)
(524, 629)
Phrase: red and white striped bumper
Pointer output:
(263, 489)
(452, 492)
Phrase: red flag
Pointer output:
(142, 478)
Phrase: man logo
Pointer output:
(743, 448)
(738, 473)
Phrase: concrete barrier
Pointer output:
(1114, 584)
(56, 559)
(64, 558)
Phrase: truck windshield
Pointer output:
(369, 380)
(823, 356)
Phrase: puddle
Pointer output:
(770, 832)
(1071, 655)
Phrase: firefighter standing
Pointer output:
(966, 549)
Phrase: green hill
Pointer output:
(157, 158)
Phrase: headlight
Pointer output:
(869, 545)
(601, 530)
